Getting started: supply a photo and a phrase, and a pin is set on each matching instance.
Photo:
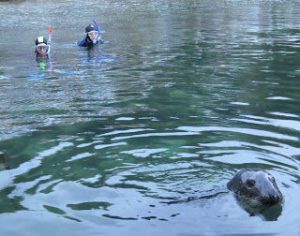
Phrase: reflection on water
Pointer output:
(180, 97)
(266, 213)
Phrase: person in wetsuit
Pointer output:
(42, 51)
(92, 36)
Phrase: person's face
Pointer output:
(41, 50)
(93, 35)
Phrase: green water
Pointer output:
(181, 96)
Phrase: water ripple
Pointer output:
(253, 132)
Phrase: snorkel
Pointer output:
(49, 39)
(97, 27)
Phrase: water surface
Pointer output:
(180, 97)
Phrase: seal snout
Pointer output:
(272, 197)
(271, 200)
(268, 189)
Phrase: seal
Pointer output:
(256, 192)
(258, 186)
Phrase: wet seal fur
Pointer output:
(257, 192)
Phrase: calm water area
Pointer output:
(181, 96)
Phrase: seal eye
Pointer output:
(250, 183)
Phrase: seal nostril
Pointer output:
(250, 183)
(271, 200)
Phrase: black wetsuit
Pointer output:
(87, 42)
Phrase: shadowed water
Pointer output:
(180, 97)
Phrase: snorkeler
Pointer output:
(41, 47)
(42, 52)
(92, 37)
